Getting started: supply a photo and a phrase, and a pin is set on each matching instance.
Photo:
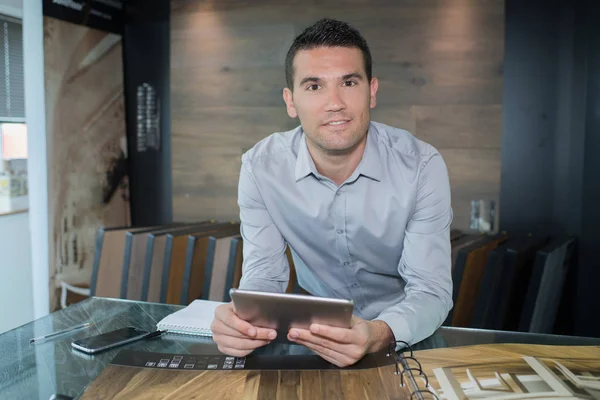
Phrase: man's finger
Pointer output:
(230, 319)
(233, 352)
(331, 360)
(225, 314)
(296, 334)
(265, 333)
(233, 321)
(261, 333)
(340, 335)
(330, 355)
(241, 344)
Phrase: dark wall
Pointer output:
(570, 123)
(550, 144)
(529, 115)
(146, 60)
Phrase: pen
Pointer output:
(154, 334)
(68, 330)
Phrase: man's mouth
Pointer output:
(337, 123)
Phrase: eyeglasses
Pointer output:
(410, 370)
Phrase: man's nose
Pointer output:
(335, 101)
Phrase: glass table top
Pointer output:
(41, 370)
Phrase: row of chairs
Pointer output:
(508, 282)
(172, 264)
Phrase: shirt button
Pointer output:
(346, 263)
(340, 231)
(338, 193)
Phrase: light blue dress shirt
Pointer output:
(382, 238)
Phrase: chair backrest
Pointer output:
(174, 282)
(107, 272)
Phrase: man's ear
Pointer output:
(289, 103)
(373, 92)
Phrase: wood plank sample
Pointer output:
(467, 278)
(176, 245)
(135, 256)
(108, 263)
(216, 264)
(154, 261)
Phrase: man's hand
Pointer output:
(341, 346)
(236, 337)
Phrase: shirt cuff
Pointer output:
(399, 327)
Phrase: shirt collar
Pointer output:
(369, 166)
(304, 163)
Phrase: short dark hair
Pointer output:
(327, 32)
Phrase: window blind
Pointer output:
(12, 87)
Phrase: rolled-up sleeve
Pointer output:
(265, 266)
(425, 264)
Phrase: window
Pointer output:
(13, 131)
(13, 141)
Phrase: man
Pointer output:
(364, 207)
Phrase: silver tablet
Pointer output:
(282, 311)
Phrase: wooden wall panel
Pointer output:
(439, 65)
(459, 126)
(87, 174)
(232, 86)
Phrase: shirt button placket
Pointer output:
(344, 255)
(339, 225)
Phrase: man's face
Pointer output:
(331, 97)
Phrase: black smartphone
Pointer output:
(108, 340)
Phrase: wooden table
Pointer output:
(42, 370)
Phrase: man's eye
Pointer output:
(312, 87)
(350, 83)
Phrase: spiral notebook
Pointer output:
(195, 319)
